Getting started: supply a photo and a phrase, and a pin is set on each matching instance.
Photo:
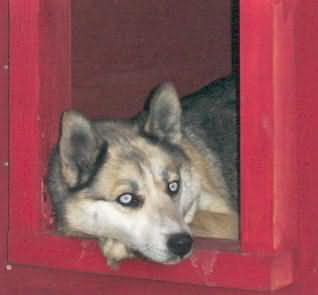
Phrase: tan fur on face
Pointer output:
(126, 167)
(142, 169)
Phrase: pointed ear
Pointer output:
(80, 149)
(164, 119)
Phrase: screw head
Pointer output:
(8, 267)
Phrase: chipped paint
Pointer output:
(208, 265)
(194, 261)
(84, 246)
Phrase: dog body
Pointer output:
(139, 185)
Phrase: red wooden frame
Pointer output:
(40, 73)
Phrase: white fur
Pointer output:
(145, 229)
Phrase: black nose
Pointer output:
(180, 244)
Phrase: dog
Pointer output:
(147, 185)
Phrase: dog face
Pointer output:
(127, 181)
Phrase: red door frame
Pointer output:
(259, 78)
(4, 133)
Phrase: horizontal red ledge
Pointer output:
(213, 263)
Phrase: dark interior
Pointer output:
(122, 49)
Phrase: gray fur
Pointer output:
(211, 115)
(204, 123)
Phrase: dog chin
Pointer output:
(172, 261)
(176, 259)
(169, 260)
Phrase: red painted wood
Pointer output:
(55, 81)
(24, 108)
(47, 58)
(268, 182)
(211, 266)
(306, 49)
(295, 135)
(257, 137)
(40, 91)
(4, 133)
(122, 49)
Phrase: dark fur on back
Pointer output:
(211, 113)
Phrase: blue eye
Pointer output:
(129, 200)
(125, 199)
(173, 187)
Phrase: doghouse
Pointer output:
(102, 57)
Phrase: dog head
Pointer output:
(127, 180)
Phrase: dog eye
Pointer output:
(129, 200)
(173, 187)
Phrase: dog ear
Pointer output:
(79, 148)
(164, 119)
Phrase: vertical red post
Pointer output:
(40, 90)
(268, 195)
(4, 132)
